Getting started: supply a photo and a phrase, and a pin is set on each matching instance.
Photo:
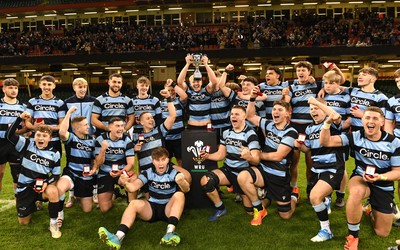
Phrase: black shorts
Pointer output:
(232, 178)
(380, 200)
(106, 184)
(158, 212)
(82, 188)
(332, 179)
(26, 201)
(174, 148)
(278, 188)
(8, 153)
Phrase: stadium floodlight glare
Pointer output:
(50, 15)
(27, 70)
(253, 69)
(251, 64)
(134, 74)
(10, 75)
(32, 16)
(349, 61)
(70, 14)
(157, 9)
(158, 66)
(37, 74)
(386, 66)
(97, 73)
(175, 8)
(131, 11)
(332, 3)
(113, 67)
(393, 61)
(219, 6)
(241, 6)
(128, 62)
(264, 5)
(126, 71)
(378, 1)
(357, 2)
(90, 13)
(287, 4)
(11, 17)
(313, 3)
(110, 11)
(285, 68)
(69, 69)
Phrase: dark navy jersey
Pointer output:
(340, 103)
(273, 138)
(49, 109)
(116, 153)
(221, 109)
(199, 105)
(161, 187)
(274, 93)
(152, 140)
(8, 114)
(80, 154)
(383, 154)
(324, 158)
(149, 104)
(85, 106)
(234, 141)
(108, 107)
(393, 113)
(175, 132)
(300, 93)
(363, 100)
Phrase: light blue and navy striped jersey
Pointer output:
(8, 114)
(152, 140)
(340, 103)
(383, 154)
(161, 187)
(234, 141)
(300, 93)
(108, 107)
(274, 93)
(260, 107)
(273, 138)
(324, 158)
(199, 105)
(393, 113)
(175, 132)
(221, 109)
(150, 104)
(80, 154)
(363, 100)
(116, 153)
(85, 106)
(50, 109)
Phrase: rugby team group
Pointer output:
(261, 130)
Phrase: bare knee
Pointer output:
(286, 215)
(244, 177)
(382, 232)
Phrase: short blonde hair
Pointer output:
(144, 80)
(397, 73)
(79, 81)
(331, 76)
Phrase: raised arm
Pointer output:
(213, 80)
(101, 157)
(251, 114)
(65, 124)
(222, 80)
(178, 90)
(327, 110)
(325, 138)
(279, 155)
(169, 122)
(182, 75)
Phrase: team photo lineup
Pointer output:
(113, 143)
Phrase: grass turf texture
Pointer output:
(232, 231)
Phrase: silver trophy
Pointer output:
(196, 62)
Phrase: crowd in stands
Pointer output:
(303, 30)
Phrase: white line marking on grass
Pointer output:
(8, 204)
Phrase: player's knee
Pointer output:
(315, 198)
(284, 210)
(209, 182)
(381, 232)
(52, 192)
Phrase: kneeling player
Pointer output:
(166, 200)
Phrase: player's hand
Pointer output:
(115, 174)
(245, 153)
(189, 59)
(44, 186)
(254, 92)
(138, 146)
(242, 77)
(104, 144)
(230, 67)
(371, 178)
(311, 79)
(356, 112)
(285, 91)
(72, 109)
(204, 155)
(25, 115)
(165, 93)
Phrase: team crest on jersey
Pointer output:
(196, 149)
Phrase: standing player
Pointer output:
(166, 201)
(10, 110)
(114, 153)
(240, 148)
(84, 104)
(39, 173)
(173, 138)
(377, 155)
(273, 173)
(112, 104)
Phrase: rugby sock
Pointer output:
(294, 184)
(354, 229)
(172, 223)
(308, 190)
(53, 210)
(122, 231)
(71, 193)
(258, 205)
(61, 203)
(339, 194)
(322, 214)
(220, 206)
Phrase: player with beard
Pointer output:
(240, 148)
(273, 172)
(377, 159)
(199, 98)
(114, 154)
(112, 104)
(11, 109)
